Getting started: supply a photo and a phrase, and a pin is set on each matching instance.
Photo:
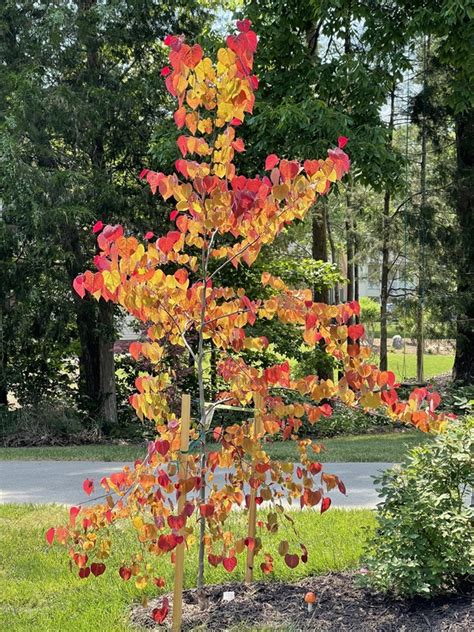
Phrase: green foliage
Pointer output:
(434, 328)
(48, 424)
(80, 94)
(369, 310)
(350, 421)
(424, 540)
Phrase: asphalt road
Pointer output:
(61, 481)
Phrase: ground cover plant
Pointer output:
(172, 285)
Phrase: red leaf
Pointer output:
(73, 515)
(176, 522)
(292, 560)
(153, 178)
(315, 468)
(250, 543)
(341, 487)
(168, 542)
(325, 409)
(181, 275)
(50, 535)
(182, 143)
(97, 569)
(355, 331)
(84, 572)
(159, 614)
(78, 285)
(214, 560)
(266, 567)
(289, 169)
(80, 559)
(311, 166)
(325, 504)
(163, 479)
(244, 25)
(229, 563)
(135, 350)
(159, 581)
(165, 71)
(125, 573)
(206, 510)
(149, 235)
(88, 486)
(180, 117)
(271, 161)
(162, 447)
(98, 226)
(342, 142)
(238, 145)
(304, 555)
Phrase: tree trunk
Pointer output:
(108, 393)
(384, 281)
(463, 371)
(420, 343)
(320, 253)
(3, 365)
(95, 322)
(383, 359)
(95, 326)
(349, 248)
(319, 246)
(333, 255)
(355, 246)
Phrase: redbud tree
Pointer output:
(170, 284)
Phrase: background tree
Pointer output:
(81, 91)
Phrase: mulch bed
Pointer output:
(340, 606)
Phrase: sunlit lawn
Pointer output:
(404, 365)
(39, 592)
(388, 447)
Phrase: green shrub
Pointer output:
(52, 423)
(424, 541)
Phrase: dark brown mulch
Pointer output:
(341, 606)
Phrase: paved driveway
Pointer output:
(61, 481)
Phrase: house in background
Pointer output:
(369, 278)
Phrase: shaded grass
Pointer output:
(388, 447)
(39, 592)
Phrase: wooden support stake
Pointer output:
(182, 474)
(258, 427)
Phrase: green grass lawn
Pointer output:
(389, 447)
(39, 592)
(404, 366)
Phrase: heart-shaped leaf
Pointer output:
(229, 563)
(292, 560)
(159, 614)
(50, 535)
(125, 573)
(97, 568)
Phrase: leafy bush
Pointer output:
(349, 421)
(49, 424)
(424, 541)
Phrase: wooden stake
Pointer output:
(258, 427)
(182, 473)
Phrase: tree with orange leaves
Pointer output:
(169, 285)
